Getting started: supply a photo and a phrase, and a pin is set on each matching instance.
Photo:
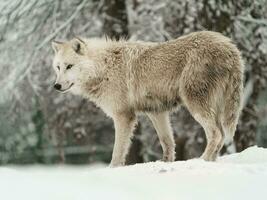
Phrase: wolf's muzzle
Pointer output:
(57, 86)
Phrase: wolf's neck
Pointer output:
(98, 44)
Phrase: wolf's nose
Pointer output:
(57, 86)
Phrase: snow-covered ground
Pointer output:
(237, 176)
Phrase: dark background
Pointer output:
(39, 125)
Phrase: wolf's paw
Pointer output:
(116, 164)
(168, 157)
(207, 157)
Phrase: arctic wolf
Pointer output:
(202, 71)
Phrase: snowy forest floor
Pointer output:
(237, 176)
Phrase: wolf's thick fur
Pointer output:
(202, 71)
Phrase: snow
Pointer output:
(237, 176)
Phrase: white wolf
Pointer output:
(202, 71)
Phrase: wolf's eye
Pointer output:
(58, 67)
(69, 66)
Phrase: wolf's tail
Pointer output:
(233, 101)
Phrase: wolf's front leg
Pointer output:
(161, 122)
(124, 125)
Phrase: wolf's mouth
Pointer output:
(67, 88)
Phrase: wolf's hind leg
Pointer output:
(201, 87)
(214, 136)
(161, 122)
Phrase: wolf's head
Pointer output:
(72, 65)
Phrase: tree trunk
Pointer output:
(115, 19)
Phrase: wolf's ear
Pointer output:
(78, 45)
(56, 45)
